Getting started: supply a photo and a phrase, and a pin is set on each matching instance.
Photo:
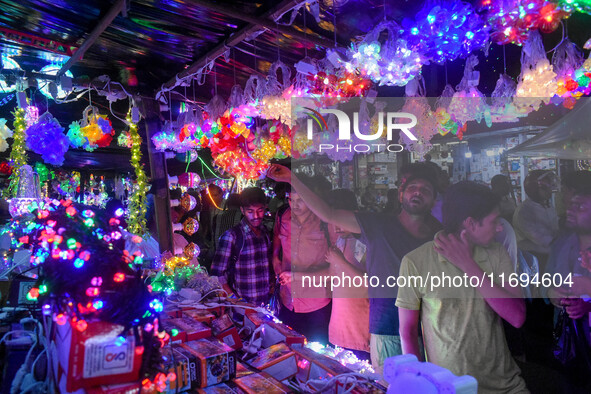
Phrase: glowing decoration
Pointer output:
(345, 357)
(446, 31)
(393, 63)
(512, 21)
(276, 107)
(537, 82)
(190, 226)
(31, 115)
(5, 133)
(468, 103)
(191, 250)
(46, 138)
(188, 179)
(576, 5)
(9, 64)
(77, 140)
(52, 69)
(97, 129)
(137, 209)
(18, 156)
(124, 140)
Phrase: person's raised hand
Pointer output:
(279, 173)
(455, 249)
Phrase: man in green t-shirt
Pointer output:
(453, 286)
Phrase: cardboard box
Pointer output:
(278, 361)
(254, 320)
(200, 315)
(125, 388)
(223, 328)
(172, 329)
(274, 333)
(243, 370)
(222, 388)
(176, 362)
(312, 365)
(216, 361)
(193, 329)
(261, 383)
(192, 366)
(94, 357)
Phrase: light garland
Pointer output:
(18, 156)
(446, 31)
(136, 219)
(578, 5)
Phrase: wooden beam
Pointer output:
(234, 39)
(94, 35)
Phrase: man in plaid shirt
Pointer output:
(242, 258)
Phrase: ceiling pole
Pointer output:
(235, 39)
(266, 23)
(94, 35)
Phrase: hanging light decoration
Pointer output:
(446, 31)
(137, 210)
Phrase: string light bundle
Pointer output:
(394, 62)
(445, 31)
(85, 273)
(137, 209)
(537, 82)
(18, 156)
(46, 138)
(512, 21)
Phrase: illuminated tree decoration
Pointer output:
(18, 156)
(136, 220)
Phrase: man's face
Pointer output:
(578, 214)
(298, 208)
(417, 197)
(483, 232)
(254, 214)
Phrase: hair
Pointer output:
(466, 199)
(215, 187)
(424, 171)
(233, 201)
(582, 184)
(343, 199)
(500, 184)
(252, 196)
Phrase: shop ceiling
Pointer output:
(146, 44)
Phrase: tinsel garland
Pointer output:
(136, 220)
(18, 156)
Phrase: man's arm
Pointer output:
(277, 246)
(409, 331)
(221, 259)
(339, 217)
(507, 302)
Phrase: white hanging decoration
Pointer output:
(393, 62)
(502, 109)
(273, 105)
(5, 133)
(537, 82)
(416, 103)
(468, 103)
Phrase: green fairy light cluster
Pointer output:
(18, 155)
(136, 220)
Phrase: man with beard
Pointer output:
(242, 259)
(461, 323)
(388, 238)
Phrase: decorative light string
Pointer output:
(136, 220)
(18, 155)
